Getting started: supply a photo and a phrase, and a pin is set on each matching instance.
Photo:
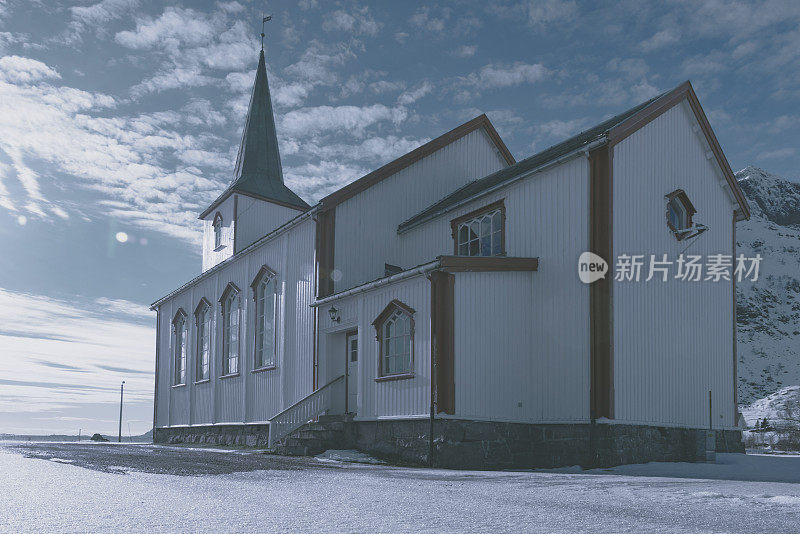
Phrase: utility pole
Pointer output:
(121, 392)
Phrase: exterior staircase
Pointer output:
(315, 437)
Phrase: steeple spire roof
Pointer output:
(258, 169)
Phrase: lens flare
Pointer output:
(122, 237)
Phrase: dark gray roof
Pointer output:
(258, 170)
(477, 187)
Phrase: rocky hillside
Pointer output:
(768, 311)
(774, 407)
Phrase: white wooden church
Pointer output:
(432, 309)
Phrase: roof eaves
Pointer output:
(525, 167)
(376, 176)
(276, 232)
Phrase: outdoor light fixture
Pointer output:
(334, 313)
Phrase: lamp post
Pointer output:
(121, 392)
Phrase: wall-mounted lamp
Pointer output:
(334, 313)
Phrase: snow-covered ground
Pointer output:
(43, 495)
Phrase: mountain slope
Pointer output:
(768, 310)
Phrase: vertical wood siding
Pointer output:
(256, 218)
(366, 225)
(249, 397)
(673, 340)
(212, 257)
(520, 337)
(547, 216)
(408, 397)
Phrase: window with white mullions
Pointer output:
(264, 294)
(396, 344)
(481, 233)
(230, 332)
(179, 355)
(203, 344)
(394, 330)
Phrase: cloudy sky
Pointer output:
(123, 117)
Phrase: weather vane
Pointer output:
(264, 20)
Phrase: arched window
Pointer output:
(230, 330)
(217, 231)
(264, 295)
(202, 318)
(395, 333)
(180, 334)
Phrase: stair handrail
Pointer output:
(278, 430)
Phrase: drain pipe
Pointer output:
(434, 354)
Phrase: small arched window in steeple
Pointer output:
(217, 231)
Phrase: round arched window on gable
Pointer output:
(679, 213)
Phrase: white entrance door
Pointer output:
(352, 372)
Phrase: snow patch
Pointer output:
(773, 407)
(348, 456)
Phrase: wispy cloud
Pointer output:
(358, 21)
(465, 51)
(66, 353)
(661, 39)
(16, 69)
(95, 17)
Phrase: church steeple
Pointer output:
(258, 171)
(258, 165)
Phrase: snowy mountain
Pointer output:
(768, 310)
(773, 407)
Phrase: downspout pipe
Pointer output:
(434, 362)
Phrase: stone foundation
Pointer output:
(230, 435)
(460, 444)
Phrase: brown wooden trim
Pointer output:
(378, 323)
(347, 366)
(443, 341)
(690, 211)
(454, 264)
(180, 313)
(200, 305)
(325, 244)
(225, 194)
(158, 364)
(601, 355)
(390, 378)
(229, 375)
(499, 204)
(230, 286)
(389, 309)
(376, 176)
(659, 107)
(263, 271)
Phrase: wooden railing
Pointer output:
(306, 409)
